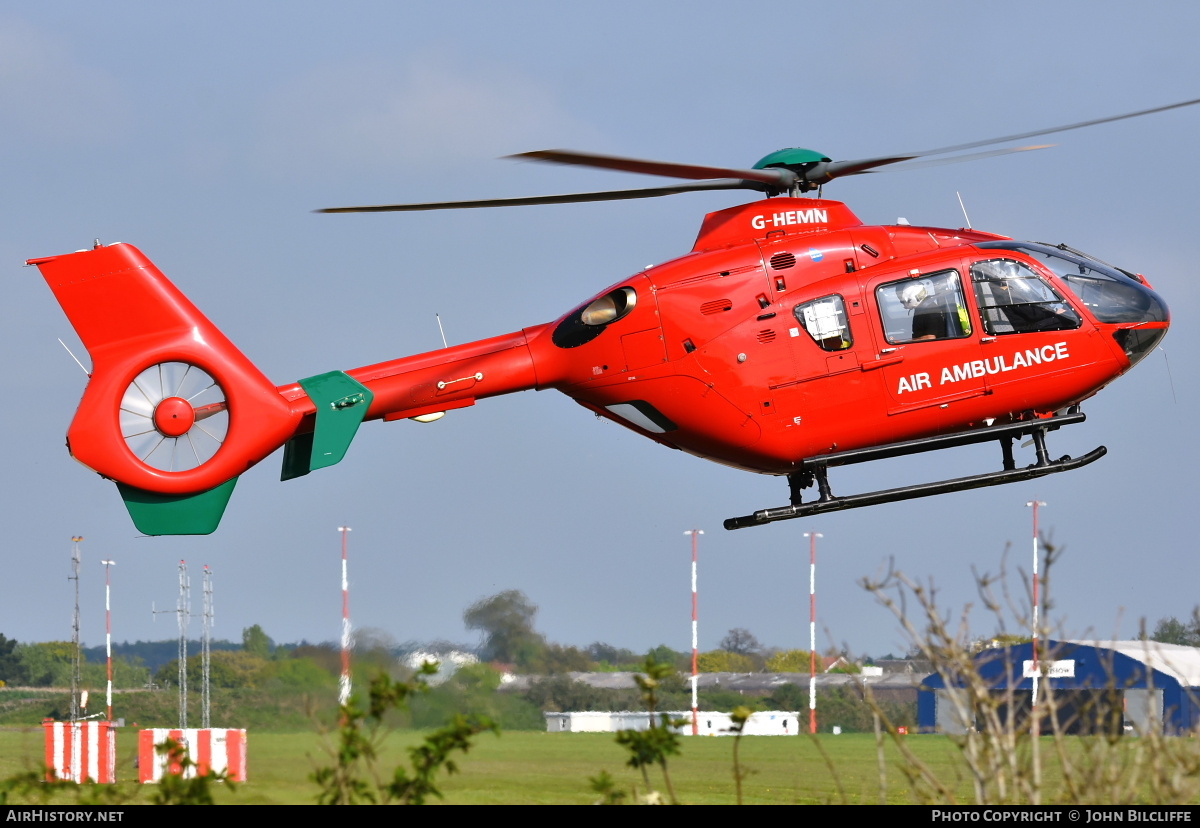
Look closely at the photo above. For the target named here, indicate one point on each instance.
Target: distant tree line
(50, 664)
(508, 639)
(1171, 630)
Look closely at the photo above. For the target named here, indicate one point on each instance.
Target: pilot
(1026, 302)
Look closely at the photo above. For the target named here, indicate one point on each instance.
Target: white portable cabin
(709, 723)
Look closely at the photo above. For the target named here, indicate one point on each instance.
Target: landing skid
(816, 469)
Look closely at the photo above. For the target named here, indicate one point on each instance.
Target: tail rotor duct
(174, 416)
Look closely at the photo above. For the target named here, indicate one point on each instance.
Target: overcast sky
(206, 133)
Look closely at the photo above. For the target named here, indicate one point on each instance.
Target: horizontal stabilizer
(342, 403)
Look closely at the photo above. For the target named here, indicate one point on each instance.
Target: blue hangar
(1111, 687)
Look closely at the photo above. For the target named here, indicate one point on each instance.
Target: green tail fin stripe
(159, 514)
(342, 403)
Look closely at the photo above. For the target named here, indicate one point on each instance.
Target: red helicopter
(791, 339)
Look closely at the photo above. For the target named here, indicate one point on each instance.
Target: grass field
(549, 768)
(553, 768)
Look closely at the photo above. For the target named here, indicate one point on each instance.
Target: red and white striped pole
(695, 634)
(344, 682)
(108, 633)
(812, 629)
(1036, 599)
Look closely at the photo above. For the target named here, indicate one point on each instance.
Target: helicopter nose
(1139, 341)
(1140, 305)
(1117, 298)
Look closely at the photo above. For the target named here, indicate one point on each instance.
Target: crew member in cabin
(934, 316)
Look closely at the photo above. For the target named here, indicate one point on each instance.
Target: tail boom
(427, 384)
(453, 377)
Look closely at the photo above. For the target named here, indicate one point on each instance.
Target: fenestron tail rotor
(787, 171)
(174, 416)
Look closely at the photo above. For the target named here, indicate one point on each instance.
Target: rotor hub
(174, 416)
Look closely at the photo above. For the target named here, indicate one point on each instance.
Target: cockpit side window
(928, 307)
(825, 321)
(1013, 298)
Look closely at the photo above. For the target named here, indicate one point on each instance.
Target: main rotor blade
(776, 177)
(772, 180)
(1034, 134)
(973, 156)
(826, 172)
(567, 198)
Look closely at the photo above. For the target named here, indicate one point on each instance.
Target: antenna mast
(76, 652)
(206, 649)
(183, 609)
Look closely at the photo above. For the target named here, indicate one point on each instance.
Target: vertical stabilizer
(172, 409)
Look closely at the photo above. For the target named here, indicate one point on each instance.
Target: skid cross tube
(816, 470)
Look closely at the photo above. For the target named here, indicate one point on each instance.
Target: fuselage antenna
(964, 209)
(1170, 378)
(77, 362)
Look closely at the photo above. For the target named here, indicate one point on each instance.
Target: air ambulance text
(992, 365)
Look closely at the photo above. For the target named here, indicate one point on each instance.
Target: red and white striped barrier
(81, 751)
(212, 750)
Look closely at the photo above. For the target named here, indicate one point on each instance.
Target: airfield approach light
(344, 682)
(108, 565)
(695, 640)
(812, 629)
(1036, 601)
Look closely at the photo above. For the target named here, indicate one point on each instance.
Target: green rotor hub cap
(793, 157)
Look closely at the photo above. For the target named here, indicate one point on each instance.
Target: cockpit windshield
(1111, 295)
